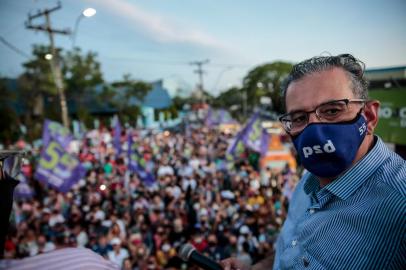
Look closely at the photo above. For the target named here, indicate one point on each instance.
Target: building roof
(156, 98)
(379, 74)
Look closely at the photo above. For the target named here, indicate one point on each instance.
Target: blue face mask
(328, 149)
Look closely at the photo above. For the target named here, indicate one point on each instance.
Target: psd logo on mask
(317, 149)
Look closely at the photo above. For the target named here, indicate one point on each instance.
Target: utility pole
(200, 72)
(55, 64)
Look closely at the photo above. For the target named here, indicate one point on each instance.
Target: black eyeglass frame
(307, 113)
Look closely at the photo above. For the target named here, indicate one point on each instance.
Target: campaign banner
(392, 115)
(55, 131)
(265, 139)
(137, 164)
(117, 136)
(236, 146)
(58, 168)
(253, 133)
(23, 190)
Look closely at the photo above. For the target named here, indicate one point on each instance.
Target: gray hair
(352, 66)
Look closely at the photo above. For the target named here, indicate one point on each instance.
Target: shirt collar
(345, 185)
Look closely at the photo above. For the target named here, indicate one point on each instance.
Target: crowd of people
(223, 206)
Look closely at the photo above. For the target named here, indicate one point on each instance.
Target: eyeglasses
(10, 162)
(330, 112)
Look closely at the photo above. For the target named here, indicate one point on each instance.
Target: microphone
(188, 253)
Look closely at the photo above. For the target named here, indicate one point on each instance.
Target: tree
(128, 95)
(231, 99)
(265, 80)
(81, 74)
(36, 86)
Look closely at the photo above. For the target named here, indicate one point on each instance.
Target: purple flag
(23, 190)
(265, 138)
(209, 119)
(225, 117)
(252, 134)
(55, 131)
(137, 164)
(117, 136)
(218, 117)
(236, 147)
(58, 168)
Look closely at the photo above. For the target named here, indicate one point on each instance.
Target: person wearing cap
(118, 254)
(348, 211)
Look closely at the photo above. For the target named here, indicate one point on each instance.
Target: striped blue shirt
(356, 222)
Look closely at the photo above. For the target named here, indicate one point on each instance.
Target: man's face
(317, 88)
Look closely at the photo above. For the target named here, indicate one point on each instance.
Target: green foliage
(35, 87)
(81, 72)
(37, 77)
(232, 99)
(265, 80)
(124, 93)
(178, 102)
(131, 88)
(38, 93)
(229, 98)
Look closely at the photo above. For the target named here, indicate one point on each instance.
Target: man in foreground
(349, 211)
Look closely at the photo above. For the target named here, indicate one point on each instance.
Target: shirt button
(305, 262)
(294, 243)
(311, 211)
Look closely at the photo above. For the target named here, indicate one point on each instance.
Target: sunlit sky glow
(155, 39)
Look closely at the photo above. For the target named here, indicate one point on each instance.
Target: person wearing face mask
(348, 211)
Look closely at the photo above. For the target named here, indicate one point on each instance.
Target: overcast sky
(155, 39)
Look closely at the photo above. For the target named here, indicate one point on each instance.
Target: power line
(200, 72)
(14, 48)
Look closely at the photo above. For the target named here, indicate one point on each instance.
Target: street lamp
(89, 12)
(48, 56)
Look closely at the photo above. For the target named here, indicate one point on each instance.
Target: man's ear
(371, 114)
